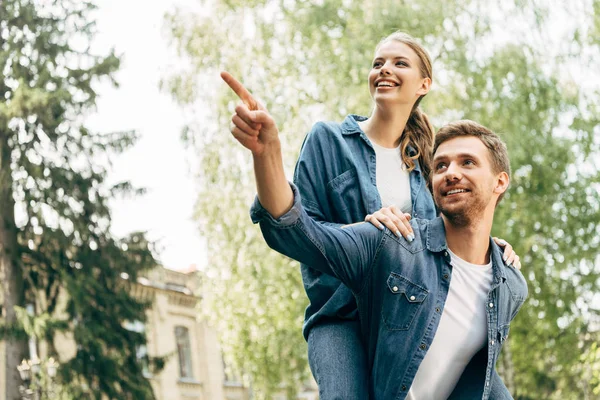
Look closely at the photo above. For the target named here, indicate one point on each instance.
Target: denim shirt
(401, 290)
(336, 177)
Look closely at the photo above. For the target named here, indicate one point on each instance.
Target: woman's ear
(425, 86)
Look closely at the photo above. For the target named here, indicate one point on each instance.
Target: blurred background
(129, 266)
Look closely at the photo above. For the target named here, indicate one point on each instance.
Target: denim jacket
(401, 289)
(336, 177)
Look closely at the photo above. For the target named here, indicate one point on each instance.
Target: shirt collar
(350, 124)
(350, 127)
(436, 242)
(497, 262)
(436, 235)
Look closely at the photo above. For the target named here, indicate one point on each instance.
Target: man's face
(464, 185)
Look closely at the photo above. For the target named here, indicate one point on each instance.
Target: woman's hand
(509, 256)
(394, 219)
(252, 126)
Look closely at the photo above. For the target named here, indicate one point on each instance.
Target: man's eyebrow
(460, 155)
(439, 156)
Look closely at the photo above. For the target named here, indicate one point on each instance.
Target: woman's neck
(385, 127)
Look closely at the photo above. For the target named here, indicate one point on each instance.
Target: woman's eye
(469, 162)
(439, 166)
(402, 64)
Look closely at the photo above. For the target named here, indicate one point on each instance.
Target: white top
(393, 182)
(461, 334)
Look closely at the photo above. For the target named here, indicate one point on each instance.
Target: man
(435, 311)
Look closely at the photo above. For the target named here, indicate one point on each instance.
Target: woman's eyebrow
(395, 58)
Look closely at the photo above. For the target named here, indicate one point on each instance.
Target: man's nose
(453, 172)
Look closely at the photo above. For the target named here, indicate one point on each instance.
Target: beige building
(194, 369)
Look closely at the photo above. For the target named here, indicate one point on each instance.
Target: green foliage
(58, 167)
(494, 62)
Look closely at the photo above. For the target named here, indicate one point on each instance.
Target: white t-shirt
(462, 331)
(393, 182)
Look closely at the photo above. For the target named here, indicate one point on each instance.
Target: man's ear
(425, 86)
(502, 181)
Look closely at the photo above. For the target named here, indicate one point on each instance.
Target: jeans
(338, 361)
(499, 390)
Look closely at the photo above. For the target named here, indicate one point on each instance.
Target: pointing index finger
(240, 90)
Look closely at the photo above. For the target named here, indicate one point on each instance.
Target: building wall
(175, 305)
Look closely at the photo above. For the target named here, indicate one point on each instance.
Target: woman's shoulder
(337, 129)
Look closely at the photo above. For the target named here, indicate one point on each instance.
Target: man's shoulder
(430, 233)
(516, 283)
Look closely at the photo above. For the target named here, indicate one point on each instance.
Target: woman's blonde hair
(419, 132)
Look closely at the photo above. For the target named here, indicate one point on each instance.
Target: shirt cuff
(259, 214)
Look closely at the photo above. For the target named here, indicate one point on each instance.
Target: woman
(346, 173)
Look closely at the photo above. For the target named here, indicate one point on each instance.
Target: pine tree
(54, 226)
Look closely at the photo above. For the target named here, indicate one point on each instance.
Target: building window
(184, 351)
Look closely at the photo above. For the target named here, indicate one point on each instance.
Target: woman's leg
(338, 361)
(499, 390)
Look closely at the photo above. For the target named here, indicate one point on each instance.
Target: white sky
(158, 161)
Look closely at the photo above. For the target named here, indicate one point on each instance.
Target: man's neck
(385, 127)
(470, 242)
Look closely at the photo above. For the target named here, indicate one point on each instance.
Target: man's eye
(469, 162)
(377, 64)
(402, 64)
(439, 166)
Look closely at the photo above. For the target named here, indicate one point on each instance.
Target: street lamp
(35, 383)
(52, 367)
(24, 370)
(35, 365)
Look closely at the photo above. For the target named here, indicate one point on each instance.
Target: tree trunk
(12, 282)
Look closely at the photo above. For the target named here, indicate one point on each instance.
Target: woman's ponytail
(419, 134)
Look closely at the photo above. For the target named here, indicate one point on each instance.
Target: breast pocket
(346, 197)
(402, 301)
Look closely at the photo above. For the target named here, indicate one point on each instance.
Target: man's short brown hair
(496, 147)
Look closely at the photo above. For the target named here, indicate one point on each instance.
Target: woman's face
(395, 77)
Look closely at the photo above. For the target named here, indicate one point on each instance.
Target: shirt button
(492, 342)
(491, 305)
(422, 346)
(446, 254)
(403, 388)
(437, 310)
(445, 276)
(487, 383)
(395, 288)
(412, 298)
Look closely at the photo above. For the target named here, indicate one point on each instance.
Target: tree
(309, 61)
(54, 230)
